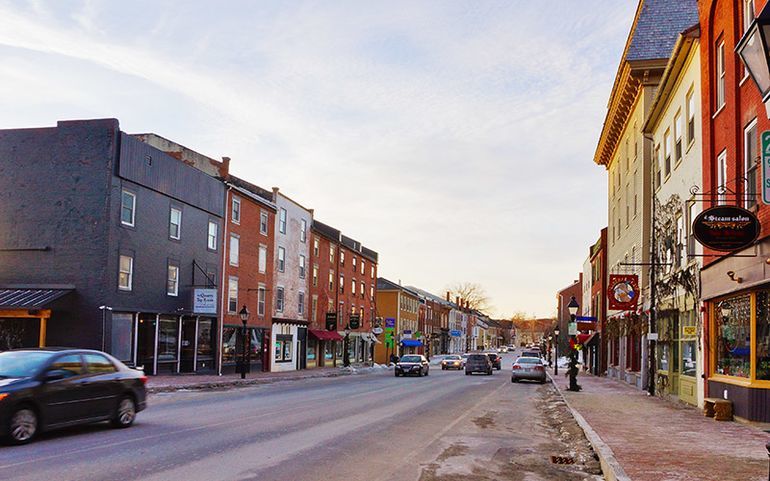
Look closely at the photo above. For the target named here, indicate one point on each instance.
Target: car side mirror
(54, 375)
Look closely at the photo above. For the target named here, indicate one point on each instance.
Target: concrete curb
(236, 383)
(611, 468)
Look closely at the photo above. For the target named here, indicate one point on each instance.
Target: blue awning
(411, 343)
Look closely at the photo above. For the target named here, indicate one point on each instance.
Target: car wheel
(513, 379)
(23, 425)
(125, 413)
(427, 371)
(467, 373)
(396, 374)
(443, 368)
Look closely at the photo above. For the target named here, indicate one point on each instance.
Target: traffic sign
(765, 167)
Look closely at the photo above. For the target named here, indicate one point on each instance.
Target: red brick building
(562, 314)
(735, 288)
(598, 256)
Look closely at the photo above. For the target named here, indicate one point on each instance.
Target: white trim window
(722, 176)
(331, 281)
(261, 296)
(363, 290)
(172, 282)
(315, 276)
(690, 116)
(372, 272)
(127, 208)
(281, 259)
(262, 259)
(363, 267)
(175, 223)
(677, 138)
(748, 17)
(720, 73)
(303, 231)
(750, 163)
(355, 267)
(235, 213)
(279, 299)
(282, 221)
(235, 244)
(263, 220)
(342, 284)
(232, 295)
(301, 266)
(342, 257)
(353, 287)
(212, 237)
(331, 255)
(126, 273)
(301, 303)
(667, 154)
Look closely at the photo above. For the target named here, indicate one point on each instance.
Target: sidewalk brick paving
(659, 440)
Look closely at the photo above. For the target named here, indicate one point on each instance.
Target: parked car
(496, 360)
(412, 364)
(502, 349)
(48, 388)
(452, 361)
(531, 368)
(478, 363)
(531, 353)
(436, 360)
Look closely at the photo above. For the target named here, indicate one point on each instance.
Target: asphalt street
(370, 427)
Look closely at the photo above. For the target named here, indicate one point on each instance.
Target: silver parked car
(531, 368)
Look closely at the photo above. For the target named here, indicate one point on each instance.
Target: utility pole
(653, 307)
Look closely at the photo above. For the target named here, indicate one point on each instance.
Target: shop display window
(762, 349)
(284, 348)
(168, 340)
(733, 336)
(663, 352)
(689, 358)
(232, 339)
(311, 349)
(329, 350)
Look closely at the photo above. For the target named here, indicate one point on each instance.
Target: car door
(62, 398)
(101, 385)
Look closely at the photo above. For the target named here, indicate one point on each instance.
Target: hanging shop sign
(331, 321)
(204, 301)
(455, 333)
(765, 167)
(390, 322)
(355, 321)
(726, 228)
(623, 292)
(377, 330)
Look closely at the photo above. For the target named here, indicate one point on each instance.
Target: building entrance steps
(646, 438)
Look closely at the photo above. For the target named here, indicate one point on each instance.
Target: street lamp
(573, 308)
(753, 49)
(556, 352)
(550, 346)
(346, 347)
(244, 314)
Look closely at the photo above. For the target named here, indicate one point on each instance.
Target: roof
(430, 296)
(258, 193)
(326, 230)
(657, 25)
(31, 297)
(386, 285)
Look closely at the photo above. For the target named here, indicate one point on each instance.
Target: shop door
(302, 354)
(189, 339)
(146, 345)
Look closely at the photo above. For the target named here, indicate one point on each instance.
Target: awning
(322, 335)
(29, 297)
(411, 343)
(585, 338)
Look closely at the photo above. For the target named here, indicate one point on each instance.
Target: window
(127, 208)
(722, 176)
(175, 223)
(762, 337)
(126, 273)
(261, 300)
(628, 153)
(748, 17)
(353, 287)
(690, 236)
(371, 292)
(234, 249)
(98, 364)
(236, 211)
(279, 299)
(282, 221)
(71, 365)
(635, 196)
(301, 266)
(628, 205)
(667, 153)
(212, 241)
(720, 72)
(263, 223)
(284, 344)
(172, 283)
(232, 294)
(363, 267)
(331, 280)
(303, 231)
(690, 116)
(315, 246)
(331, 255)
(301, 303)
(354, 264)
(363, 290)
(342, 284)
(656, 166)
(342, 257)
(281, 259)
(315, 276)
(262, 259)
(372, 272)
(733, 336)
(677, 137)
(750, 163)
(314, 308)
(680, 239)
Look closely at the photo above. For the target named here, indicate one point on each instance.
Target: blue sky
(456, 138)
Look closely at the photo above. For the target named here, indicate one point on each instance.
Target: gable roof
(657, 26)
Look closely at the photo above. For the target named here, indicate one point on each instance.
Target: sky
(455, 138)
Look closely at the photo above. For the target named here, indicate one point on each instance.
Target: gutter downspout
(222, 284)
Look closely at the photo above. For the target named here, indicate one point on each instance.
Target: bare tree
(473, 293)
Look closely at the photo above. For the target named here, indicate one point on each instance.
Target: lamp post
(346, 347)
(573, 308)
(556, 351)
(244, 314)
(550, 346)
(753, 49)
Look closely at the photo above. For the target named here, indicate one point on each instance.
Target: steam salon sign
(726, 228)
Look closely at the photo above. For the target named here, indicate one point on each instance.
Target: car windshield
(528, 360)
(492, 355)
(22, 363)
(452, 358)
(477, 357)
(410, 359)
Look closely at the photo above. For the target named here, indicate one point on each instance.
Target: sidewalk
(168, 383)
(649, 439)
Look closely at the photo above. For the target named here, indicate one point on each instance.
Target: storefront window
(204, 339)
(168, 340)
(121, 336)
(689, 356)
(284, 348)
(733, 336)
(763, 336)
(329, 350)
(232, 338)
(663, 357)
(311, 349)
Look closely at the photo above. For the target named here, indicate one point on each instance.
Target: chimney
(224, 170)
(448, 298)
(457, 301)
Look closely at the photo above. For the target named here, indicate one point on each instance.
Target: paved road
(371, 427)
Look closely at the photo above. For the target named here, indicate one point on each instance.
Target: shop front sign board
(765, 167)
(204, 301)
(726, 228)
(623, 292)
